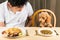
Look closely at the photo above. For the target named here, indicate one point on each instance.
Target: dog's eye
(43, 17)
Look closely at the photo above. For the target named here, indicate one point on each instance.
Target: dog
(45, 19)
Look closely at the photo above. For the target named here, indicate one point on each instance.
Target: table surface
(33, 36)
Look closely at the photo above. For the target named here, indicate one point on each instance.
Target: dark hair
(17, 3)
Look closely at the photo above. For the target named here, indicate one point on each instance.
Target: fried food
(12, 32)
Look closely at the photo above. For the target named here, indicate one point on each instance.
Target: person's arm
(30, 13)
(1, 16)
(2, 24)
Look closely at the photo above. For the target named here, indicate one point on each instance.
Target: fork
(36, 32)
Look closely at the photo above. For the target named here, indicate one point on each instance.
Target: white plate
(48, 35)
(6, 28)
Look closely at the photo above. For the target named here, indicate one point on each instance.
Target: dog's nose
(40, 21)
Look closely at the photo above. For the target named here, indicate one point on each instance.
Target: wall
(57, 11)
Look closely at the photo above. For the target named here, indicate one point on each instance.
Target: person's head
(17, 3)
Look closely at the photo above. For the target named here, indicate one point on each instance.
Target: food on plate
(46, 32)
(12, 32)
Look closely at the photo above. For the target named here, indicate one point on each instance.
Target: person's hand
(2, 24)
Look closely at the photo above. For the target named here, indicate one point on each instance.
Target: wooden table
(33, 36)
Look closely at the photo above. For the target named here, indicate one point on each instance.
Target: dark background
(53, 5)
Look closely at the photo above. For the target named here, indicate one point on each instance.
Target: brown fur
(45, 19)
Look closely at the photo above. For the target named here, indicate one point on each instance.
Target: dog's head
(44, 17)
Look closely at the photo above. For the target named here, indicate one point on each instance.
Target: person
(15, 13)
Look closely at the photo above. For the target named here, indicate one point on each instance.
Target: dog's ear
(48, 18)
